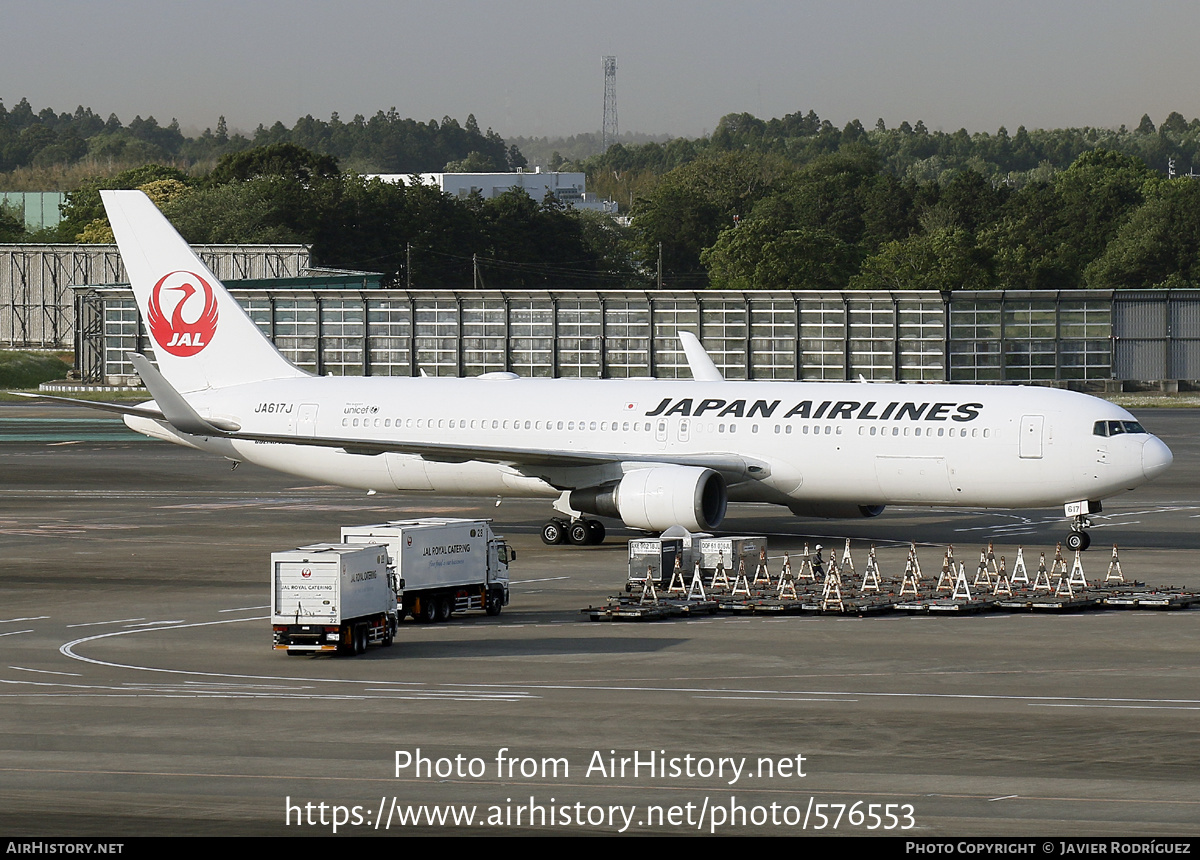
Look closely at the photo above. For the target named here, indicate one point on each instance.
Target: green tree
(754, 256)
(1158, 245)
(284, 160)
(12, 224)
(692, 204)
(84, 206)
(947, 259)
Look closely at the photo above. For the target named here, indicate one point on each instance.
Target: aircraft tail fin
(202, 338)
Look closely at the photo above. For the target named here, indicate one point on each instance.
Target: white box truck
(442, 565)
(332, 598)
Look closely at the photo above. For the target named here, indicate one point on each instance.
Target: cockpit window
(1116, 428)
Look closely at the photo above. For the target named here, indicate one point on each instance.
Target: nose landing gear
(1079, 539)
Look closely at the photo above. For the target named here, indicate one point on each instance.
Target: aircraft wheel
(579, 534)
(553, 533)
(1078, 541)
(597, 531)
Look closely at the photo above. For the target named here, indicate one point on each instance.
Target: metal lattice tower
(608, 134)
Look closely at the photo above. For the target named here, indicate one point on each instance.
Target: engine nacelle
(834, 510)
(659, 497)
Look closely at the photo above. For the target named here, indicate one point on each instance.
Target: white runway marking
(522, 692)
(99, 623)
(45, 671)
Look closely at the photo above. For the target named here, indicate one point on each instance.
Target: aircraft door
(306, 421)
(1031, 436)
(660, 432)
(685, 430)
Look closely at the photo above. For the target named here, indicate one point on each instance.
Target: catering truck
(332, 598)
(442, 565)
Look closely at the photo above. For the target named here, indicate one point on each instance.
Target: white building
(567, 188)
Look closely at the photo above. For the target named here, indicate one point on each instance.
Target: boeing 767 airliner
(651, 453)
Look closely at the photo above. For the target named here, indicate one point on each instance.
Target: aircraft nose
(1156, 457)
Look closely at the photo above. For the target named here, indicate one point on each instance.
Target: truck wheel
(389, 634)
(426, 611)
(494, 603)
(445, 608)
(360, 639)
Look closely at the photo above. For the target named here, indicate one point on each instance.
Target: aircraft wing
(734, 467)
(174, 410)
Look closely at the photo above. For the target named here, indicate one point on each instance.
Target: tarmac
(139, 694)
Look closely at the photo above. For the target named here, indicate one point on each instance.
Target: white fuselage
(814, 444)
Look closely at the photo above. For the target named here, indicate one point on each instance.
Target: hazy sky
(528, 67)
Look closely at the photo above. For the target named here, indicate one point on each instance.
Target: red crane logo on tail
(180, 335)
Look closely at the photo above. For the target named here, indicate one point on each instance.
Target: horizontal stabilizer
(175, 409)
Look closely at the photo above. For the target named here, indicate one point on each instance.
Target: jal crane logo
(193, 321)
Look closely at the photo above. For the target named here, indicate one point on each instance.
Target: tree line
(384, 143)
(414, 233)
(752, 220)
(787, 203)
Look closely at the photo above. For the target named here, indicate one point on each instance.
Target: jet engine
(834, 510)
(659, 497)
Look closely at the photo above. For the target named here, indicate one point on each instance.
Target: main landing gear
(580, 532)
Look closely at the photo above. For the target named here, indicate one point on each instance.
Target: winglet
(699, 363)
(177, 411)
